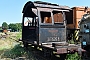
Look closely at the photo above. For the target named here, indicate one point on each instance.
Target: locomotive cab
(44, 23)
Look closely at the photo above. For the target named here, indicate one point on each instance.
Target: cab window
(29, 21)
(58, 17)
(46, 17)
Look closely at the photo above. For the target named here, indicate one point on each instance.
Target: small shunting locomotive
(84, 34)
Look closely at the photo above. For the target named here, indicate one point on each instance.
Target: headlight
(87, 31)
(84, 43)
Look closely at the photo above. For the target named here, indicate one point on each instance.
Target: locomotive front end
(84, 33)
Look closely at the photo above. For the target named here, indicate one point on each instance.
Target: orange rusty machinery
(73, 19)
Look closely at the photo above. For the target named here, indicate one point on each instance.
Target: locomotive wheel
(35, 47)
(63, 56)
(47, 52)
(25, 44)
(87, 53)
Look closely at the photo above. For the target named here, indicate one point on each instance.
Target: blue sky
(11, 10)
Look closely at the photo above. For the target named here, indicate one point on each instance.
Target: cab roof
(41, 4)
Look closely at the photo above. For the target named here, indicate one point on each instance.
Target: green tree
(15, 27)
(0, 28)
(19, 26)
(4, 25)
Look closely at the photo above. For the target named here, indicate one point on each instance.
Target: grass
(11, 49)
(14, 52)
(73, 57)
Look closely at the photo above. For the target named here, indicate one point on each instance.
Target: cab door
(29, 22)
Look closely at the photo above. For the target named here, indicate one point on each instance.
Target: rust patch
(61, 50)
(53, 31)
